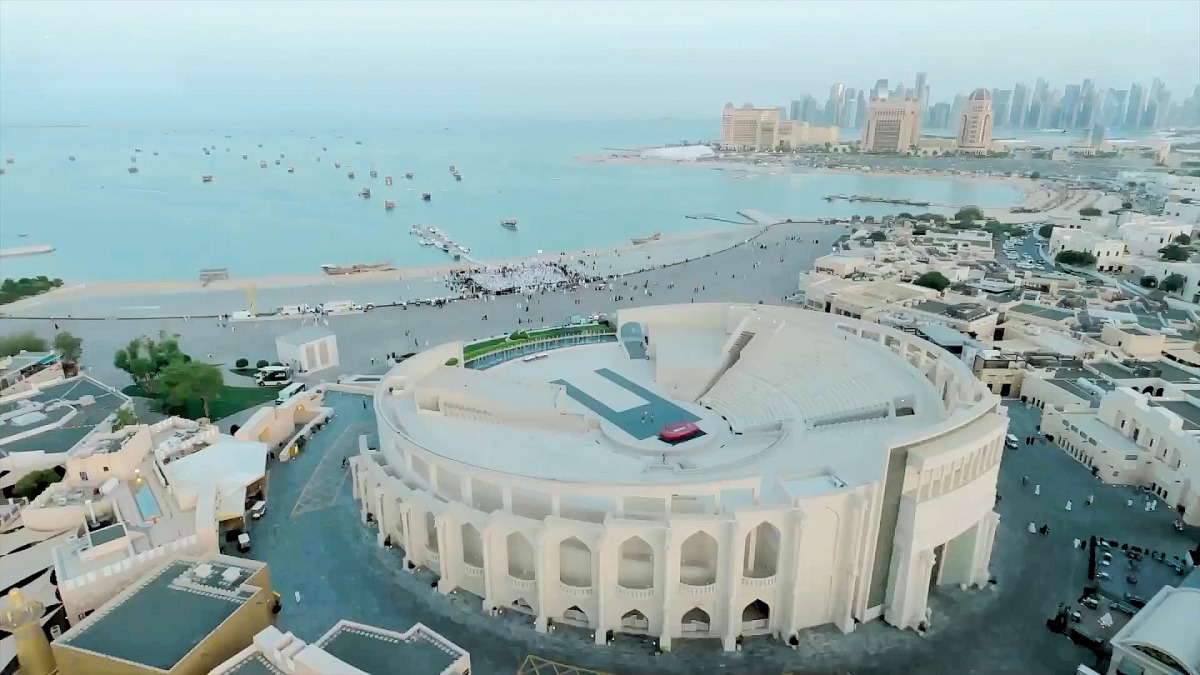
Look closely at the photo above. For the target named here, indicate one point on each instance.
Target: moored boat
(9, 160)
(350, 175)
(133, 169)
(374, 173)
(245, 156)
(458, 177)
(262, 164)
(425, 196)
(407, 175)
(642, 240)
(509, 224)
(206, 178)
(387, 180)
(337, 165)
(365, 193)
(276, 162)
(389, 204)
(356, 269)
(291, 169)
(71, 157)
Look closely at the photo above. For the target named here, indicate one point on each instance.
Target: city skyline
(60, 59)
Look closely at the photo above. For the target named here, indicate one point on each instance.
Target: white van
(1010, 441)
(289, 391)
(273, 376)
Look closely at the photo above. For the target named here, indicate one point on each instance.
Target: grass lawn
(477, 349)
(231, 400)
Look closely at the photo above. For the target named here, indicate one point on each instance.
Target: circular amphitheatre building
(699, 470)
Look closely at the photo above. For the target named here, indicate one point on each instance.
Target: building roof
(1043, 311)
(1167, 625)
(228, 467)
(376, 651)
(52, 404)
(304, 336)
(980, 94)
(166, 615)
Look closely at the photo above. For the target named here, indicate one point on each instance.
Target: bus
(273, 376)
(289, 391)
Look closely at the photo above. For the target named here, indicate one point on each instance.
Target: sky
(70, 61)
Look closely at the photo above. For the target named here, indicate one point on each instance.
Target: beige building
(760, 129)
(1161, 638)
(184, 618)
(892, 125)
(975, 125)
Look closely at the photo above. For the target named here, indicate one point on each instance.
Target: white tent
(308, 349)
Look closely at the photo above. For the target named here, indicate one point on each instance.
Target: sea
(164, 223)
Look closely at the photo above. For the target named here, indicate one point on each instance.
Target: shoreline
(1033, 193)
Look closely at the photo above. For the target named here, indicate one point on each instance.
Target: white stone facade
(798, 510)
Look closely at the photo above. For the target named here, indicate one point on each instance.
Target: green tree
(144, 359)
(69, 347)
(877, 236)
(968, 213)
(1183, 240)
(32, 484)
(1090, 211)
(1174, 253)
(125, 417)
(185, 381)
(1127, 205)
(1173, 283)
(452, 361)
(1076, 258)
(1045, 231)
(935, 280)
(1035, 174)
(26, 341)
(262, 363)
(1148, 281)
(241, 363)
(905, 215)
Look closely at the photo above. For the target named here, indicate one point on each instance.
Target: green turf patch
(230, 401)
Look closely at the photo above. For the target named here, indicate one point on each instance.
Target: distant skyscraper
(1096, 136)
(1136, 105)
(861, 108)
(892, 125)
(1070, 106)
(794, 110)
(1113, 110)
(833, 108)
(1019, 106)
(956, 110)
(849, 116)
(1001, 102)
(938, 116)
(880, 89)
(922, 90)
(975, 123)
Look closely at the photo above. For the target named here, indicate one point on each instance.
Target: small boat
(389, 204)
(245, 156)
(205, 150)
(291, 169)
(324, 149)
(365, 193)
(9, 160)
(356, 269)
(318, 159)
(23, 234)
(155, 153)
(509, 224)
(262, 164)
(445, 247)
(276, 162)
(387, 180)
(211, 146)
(452, 169)
(133, 169)
(137, 149)
(281, 155)
(426, 196)
(337, 165)
(206, 178)
(260, 145)
(350, 175)
(374, 173)
(407, 175)
(458, 177)
(71, 157)
(642, 240)
(133, 159)
(358, 142)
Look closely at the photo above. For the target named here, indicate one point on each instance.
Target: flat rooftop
(1187, 410)
(62, 438)
(1052, 313)
(381, 652)
(165, 616)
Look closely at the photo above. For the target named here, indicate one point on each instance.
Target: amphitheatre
(837, 471)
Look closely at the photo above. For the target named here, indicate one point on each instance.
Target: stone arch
(761, 555)
(472, 545)
(698, 560)
(1148, 390)
(576, 616)
(575, 563)
(431, 534)
(635, 564)
(1158, 392)
(695, 621)
(634, 621)
(521, 561)
(756, 611)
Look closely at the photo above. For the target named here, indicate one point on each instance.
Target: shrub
(452, 361)
(1173, 283)
(262, 363)
(877, 236)
(1045, 231)
(1183, 240)
(32, 484)
(276, 363)
(935, 280)
(1148, 281)
(241, 363)
(28, 341)
(1035, 175)
(1076, 258)
(1174, 253)
(1090, 211)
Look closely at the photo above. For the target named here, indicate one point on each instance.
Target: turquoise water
(164, 223)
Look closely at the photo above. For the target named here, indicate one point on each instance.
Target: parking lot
(1021, 252)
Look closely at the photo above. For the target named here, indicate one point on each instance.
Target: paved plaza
(316, 545)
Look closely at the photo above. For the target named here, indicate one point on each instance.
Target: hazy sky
(601, 59)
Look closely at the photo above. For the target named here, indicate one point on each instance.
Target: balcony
(521, 584)
(763, 582)
(432, 556)
(575, 591)
(473, 571)
(698, 591)
(635, 593)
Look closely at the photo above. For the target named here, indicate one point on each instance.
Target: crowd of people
(525, 278)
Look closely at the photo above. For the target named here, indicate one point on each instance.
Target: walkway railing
(491, 359)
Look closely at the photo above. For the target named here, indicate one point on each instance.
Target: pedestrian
(1032, 527)
(1076, 544)
(364, 404)
(1037, 489)
(297, 597)
(1129, 503)
(1088, 502)
(1068, 504)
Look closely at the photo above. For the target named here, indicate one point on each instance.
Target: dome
(980, 95)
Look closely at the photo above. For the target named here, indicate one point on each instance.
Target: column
(381, 517)
(795, 574)
(464, 487)
(546, 573)
(506, 499)
(403, 517)
(985, 539)
(858, 522)
(602, 584)
(734, 553)
(489, 567)
(670, 586)
(910, 587)
(418, 536)
(450, 552)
